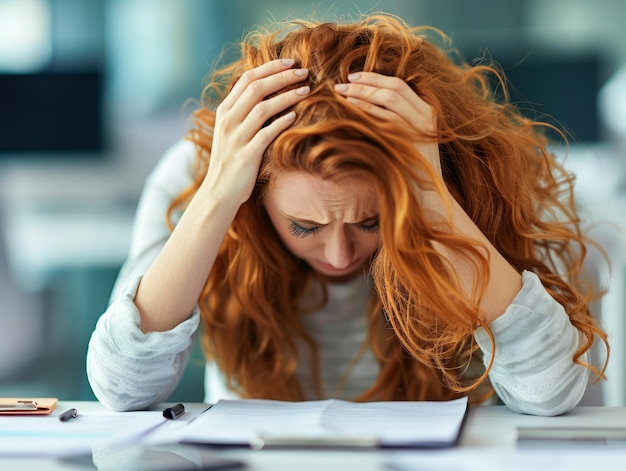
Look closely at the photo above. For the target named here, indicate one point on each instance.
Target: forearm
(170, 288)
(504, 281)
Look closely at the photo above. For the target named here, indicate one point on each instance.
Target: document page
(47, 436)
(328, 422)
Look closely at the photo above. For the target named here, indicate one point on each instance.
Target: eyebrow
(315, 223)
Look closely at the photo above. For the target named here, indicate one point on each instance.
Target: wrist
(212, 200)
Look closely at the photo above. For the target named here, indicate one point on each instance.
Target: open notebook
(265, 423)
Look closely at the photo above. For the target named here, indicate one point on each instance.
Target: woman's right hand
(239, 138)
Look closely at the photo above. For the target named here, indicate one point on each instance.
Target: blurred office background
(92, 92)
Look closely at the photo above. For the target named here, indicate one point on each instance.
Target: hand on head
(240, 137)
(391, 98)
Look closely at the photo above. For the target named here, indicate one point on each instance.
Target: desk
(490, 432)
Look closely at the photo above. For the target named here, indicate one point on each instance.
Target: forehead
(304, 195)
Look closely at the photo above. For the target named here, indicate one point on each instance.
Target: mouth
(333, 271)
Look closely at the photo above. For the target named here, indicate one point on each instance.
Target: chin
(344, 277)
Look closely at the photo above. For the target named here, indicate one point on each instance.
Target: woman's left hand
(391, 98)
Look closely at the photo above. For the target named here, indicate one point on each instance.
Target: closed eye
(372, 227)
(302, 232)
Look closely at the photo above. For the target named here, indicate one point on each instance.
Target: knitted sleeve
(533, 370)
(130, 370)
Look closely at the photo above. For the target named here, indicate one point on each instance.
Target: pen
(174, 412)
(68, 414)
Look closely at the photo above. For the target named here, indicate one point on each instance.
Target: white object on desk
(46, 436)
(488, 439)
(330, 422)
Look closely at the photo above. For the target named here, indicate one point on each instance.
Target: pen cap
(174, 412)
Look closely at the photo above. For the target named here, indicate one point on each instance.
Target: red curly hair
(495, 163)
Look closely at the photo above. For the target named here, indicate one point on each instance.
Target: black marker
(68, 414)
(174, 412)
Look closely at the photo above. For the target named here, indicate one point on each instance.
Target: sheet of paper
(395, 423)
(47, 436)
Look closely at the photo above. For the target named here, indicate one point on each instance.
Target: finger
(374, 110)
(395, 84)
(255, 127)
(252, 106)
(264, 70)
(253, 91)
(390, 93)
(265, 136)
(270, 107)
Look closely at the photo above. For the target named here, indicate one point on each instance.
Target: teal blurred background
(92, 92)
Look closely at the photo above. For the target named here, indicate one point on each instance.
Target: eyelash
(301, 232)
(370, 228)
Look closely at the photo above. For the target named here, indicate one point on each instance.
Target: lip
(338, 271)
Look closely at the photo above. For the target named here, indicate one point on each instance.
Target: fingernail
(354, 77)
(287, 62)
(341, 87)
(290, 116)
(301, 72)
(302, 90)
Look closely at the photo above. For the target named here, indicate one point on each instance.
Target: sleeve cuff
(532, 310)
(122, 327)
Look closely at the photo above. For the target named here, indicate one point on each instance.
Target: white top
(533, 371)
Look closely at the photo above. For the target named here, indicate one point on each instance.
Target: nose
(339, 250)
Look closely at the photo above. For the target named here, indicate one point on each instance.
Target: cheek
(365, 241)
(371, 243)
(298, 246)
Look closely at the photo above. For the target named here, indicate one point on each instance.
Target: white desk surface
(488, 441)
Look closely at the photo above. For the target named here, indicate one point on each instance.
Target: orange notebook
(27, 405)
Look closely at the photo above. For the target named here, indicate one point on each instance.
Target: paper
(47, 436)
(385, 424)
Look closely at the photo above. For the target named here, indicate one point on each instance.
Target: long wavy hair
(495, 163)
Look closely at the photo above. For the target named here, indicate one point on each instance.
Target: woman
(354, 215)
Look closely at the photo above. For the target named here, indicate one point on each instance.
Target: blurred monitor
(560, 89)
(49, 114)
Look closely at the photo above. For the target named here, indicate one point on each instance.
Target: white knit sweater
(533, 371)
